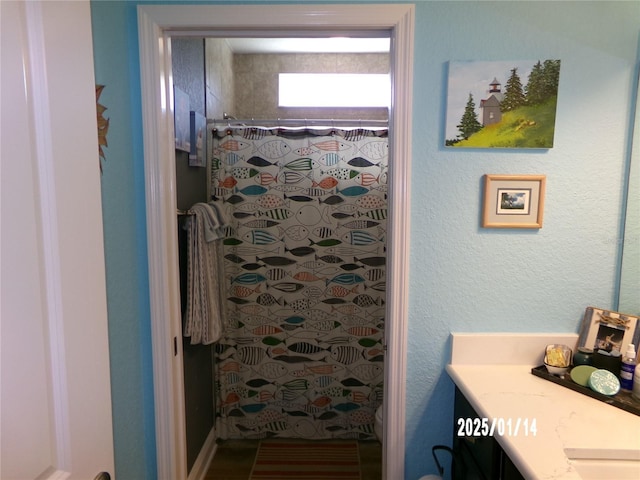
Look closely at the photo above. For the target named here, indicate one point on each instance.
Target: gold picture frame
(513, 201)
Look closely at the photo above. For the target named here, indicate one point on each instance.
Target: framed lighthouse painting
(502, 104)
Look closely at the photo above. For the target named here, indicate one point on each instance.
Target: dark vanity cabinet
(477, 457)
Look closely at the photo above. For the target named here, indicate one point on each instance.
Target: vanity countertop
(493, 371)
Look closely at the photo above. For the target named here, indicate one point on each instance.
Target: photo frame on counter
(513, 201)
(607, 330)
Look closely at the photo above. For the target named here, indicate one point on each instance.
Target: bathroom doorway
(157, 24)
(303, 195)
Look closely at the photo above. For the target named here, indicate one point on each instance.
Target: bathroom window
(334, 90)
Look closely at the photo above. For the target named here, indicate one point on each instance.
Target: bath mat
(306, 460)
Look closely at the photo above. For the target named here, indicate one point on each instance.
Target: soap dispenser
(628, 368)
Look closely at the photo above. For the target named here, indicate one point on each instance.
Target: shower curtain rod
(298, 122)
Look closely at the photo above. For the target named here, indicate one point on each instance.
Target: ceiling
(309, 45)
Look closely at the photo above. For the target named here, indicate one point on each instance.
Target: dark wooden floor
(234, 459)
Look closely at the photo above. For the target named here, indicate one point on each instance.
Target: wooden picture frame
(513, 201)
(608, 330)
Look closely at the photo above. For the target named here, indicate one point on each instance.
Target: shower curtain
(304, 266)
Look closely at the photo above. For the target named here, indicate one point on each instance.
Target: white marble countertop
(502, 387)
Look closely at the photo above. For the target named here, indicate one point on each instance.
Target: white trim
(201, 465)
(162, 245)
(156, 21)
(397, 315)
(53, 474)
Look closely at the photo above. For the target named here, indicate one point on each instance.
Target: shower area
(302, 206)
(304, 274)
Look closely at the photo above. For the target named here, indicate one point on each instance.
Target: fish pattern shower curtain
(305, 274)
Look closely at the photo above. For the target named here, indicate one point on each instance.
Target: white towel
(205, 317)
(216, 221)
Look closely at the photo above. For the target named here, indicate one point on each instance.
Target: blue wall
(469, 278)
(474, 279)
(123, 198)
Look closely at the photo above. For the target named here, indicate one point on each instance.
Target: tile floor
(234, 458)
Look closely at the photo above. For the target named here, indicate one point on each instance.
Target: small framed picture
(513, 201)
(198, 140)
(182, 124)
(608, 331)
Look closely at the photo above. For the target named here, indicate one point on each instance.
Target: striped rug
(306, 460)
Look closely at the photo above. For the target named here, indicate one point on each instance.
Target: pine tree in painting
(513, 95)
(535, 88)
(551, 77)
(543, 82)
(469, 123)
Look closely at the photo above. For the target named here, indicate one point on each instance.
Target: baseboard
(202, 463)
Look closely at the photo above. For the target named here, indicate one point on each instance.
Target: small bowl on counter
(557, 358)
(556, 370)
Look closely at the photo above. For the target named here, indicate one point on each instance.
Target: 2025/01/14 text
(489, 427)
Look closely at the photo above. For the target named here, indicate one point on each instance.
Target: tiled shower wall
(246, 85)
(219, 81)
(256, 80)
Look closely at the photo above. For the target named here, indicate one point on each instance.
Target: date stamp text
(503, 427)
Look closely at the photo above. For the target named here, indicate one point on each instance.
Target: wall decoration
(607, 330)
(103, 125)
(505, 104)
(198, 140)
(181, 119)
(513, 201)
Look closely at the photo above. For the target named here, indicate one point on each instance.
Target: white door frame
(156, 23)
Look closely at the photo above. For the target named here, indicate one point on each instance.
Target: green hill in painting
(524, 127)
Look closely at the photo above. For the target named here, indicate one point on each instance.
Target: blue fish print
(260, 237)
(359, 237)
(353, 191)
(346, 279)
(252, 190)
(248, 279)
(330, 159)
